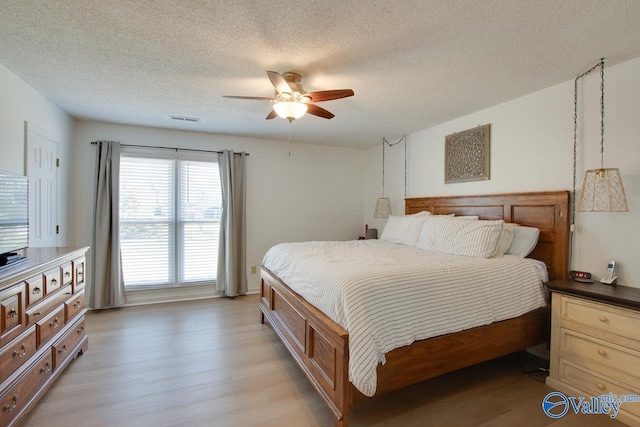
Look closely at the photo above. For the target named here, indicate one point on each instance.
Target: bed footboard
(447, 353)
(319, 345)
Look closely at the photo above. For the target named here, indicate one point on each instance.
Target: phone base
(613, 281)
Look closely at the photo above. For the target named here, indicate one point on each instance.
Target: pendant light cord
(575, 141)
(385, 141)
(601, 113)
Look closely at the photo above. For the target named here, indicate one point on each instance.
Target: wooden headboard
(548, 211)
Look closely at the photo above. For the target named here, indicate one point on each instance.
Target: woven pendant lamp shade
(602, 191)
(383, 208)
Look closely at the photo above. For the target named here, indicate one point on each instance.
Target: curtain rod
(167, 148)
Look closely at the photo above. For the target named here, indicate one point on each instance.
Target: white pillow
(467, 238)
(467, 217)
(524, 240)
(403, 229)
(506, 238)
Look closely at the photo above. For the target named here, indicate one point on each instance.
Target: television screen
(14, 212)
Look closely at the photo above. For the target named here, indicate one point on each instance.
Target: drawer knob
(81, 330)
(45, 369)
(54, 281)
(67, 274)
(12, 313)
(12, 406)
(54, 324)
(76, 304)
(603, 318)
(36, 291)
(601, 386)
(62, 350)
(602, 352)
(19, 354)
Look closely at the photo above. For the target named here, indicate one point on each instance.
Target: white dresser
(595, 342)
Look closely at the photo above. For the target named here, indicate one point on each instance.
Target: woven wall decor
(467, 155)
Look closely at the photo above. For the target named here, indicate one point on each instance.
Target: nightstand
(595, 342)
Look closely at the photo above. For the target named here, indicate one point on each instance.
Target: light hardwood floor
(211, 363)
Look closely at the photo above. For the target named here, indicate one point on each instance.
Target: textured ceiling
(412, 64)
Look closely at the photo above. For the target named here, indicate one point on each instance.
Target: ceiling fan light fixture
(290, 110)
(291, 101)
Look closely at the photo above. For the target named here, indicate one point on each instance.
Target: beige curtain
(107, 287)
(232, 271)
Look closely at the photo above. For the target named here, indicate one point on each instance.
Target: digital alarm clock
(581, 276)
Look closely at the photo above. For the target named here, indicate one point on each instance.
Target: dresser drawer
(49, 326)
(612, 359)
(74, 306)
(603, 317)
(12, 319)
(66, 272)
(79, 269)
(35, 289)
(596, 385)
(63, 348)
(38, 312)
(16, 353)
(16, 398)
(52, 281)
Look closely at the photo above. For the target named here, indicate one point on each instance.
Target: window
(170, 206)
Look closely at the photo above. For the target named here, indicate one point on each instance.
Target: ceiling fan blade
(319, 111)
(279, 82)
(257, 98)
(272, 115)
(328, 95)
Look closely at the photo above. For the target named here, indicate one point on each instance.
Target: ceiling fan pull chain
(290, 137)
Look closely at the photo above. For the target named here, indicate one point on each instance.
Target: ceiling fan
(291, 101)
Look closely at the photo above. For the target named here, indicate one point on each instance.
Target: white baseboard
(187, 293)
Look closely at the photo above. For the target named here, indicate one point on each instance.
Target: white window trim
(172, 292)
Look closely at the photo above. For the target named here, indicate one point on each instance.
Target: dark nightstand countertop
(623, 296)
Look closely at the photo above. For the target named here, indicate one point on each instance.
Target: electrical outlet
(254, 269)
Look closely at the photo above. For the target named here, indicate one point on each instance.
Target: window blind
(199, 219)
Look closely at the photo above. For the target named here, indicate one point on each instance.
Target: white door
(42, 155)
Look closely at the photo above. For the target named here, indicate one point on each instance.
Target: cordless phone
(610, 275)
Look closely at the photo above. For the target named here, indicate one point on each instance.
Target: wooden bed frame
(321, 347)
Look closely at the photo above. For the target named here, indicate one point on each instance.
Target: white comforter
(388, 296)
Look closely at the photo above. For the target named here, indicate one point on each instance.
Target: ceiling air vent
(184, 119)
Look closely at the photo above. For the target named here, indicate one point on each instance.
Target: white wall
(20, 103)
(532, 150)
(316, 194)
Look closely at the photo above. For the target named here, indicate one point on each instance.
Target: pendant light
(383, 204)
(602, 189)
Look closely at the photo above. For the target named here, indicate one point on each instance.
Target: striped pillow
(448, 235)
